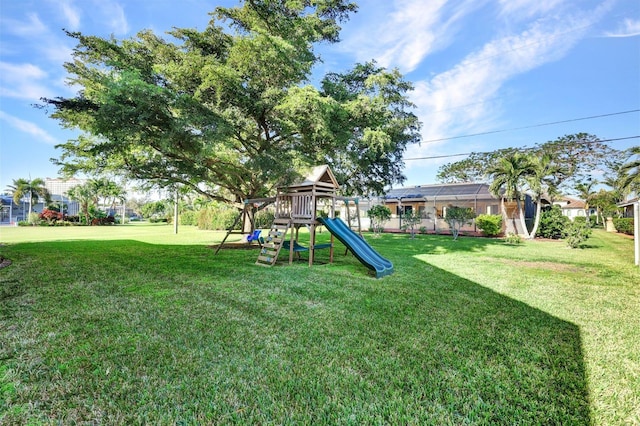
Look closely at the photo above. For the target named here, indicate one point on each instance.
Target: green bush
(623, 225)
(264, 219)
(580, 219)
(158, 220)
(217, 217)
(512, 238)
(489, 224)
(188, 217)
(577, 233)
(553, 224)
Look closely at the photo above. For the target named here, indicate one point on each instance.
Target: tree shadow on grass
(190, 337)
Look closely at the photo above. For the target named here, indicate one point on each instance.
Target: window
(403, 210)
(492, 209)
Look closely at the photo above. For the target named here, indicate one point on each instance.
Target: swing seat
(255, 236)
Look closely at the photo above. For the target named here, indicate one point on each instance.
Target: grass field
(133, 324)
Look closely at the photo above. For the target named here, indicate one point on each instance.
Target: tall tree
(228, 111)
(31, 189)
(508, 181)
(576, 155)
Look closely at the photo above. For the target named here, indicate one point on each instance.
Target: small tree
(457, 217)
(410, 221)
(378, 215)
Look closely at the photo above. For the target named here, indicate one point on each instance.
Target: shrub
(577, 233)
(264, 219)
(50, 216)
(512, 238)
(489, 224)
(580, 219)
(188, 217)
(623, 225)
(34, 219)
(553, 224)
(423, 230)
(217, 217)
(158, 220)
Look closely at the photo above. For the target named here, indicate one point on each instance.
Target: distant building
(572, 207)
(431, 203)
(59, 186)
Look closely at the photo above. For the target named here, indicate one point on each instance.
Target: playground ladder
(273, 243)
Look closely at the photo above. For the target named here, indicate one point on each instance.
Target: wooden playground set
(305, 204)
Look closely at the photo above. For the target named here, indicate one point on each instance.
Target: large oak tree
(229, 111)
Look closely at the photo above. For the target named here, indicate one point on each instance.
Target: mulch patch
(235, 246)
(4, 262)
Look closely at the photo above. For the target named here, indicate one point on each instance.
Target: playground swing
(254, 234)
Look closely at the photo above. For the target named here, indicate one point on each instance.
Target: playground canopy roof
(320, 177)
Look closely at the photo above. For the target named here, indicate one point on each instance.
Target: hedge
(623, 225)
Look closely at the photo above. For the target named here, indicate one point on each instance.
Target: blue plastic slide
(358, 246)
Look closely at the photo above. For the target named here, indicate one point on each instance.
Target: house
(431, 203)
(572, 207)
(627, 207)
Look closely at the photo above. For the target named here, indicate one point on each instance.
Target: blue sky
(478, 66)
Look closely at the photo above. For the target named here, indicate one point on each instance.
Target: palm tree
(108, 191)
(509, 177)
(631, 170)
(545, 179)
(85, 195)
(586, 192)
(30, 188)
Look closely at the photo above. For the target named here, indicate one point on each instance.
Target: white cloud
(23, 81)
(403, 34)
(28, 127)
(71, 13)
(30, 28)
(628, 28)
(476, 81)
(523, 9)
(112, 14)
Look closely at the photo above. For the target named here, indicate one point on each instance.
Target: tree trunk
(536, 222)
(523, 222)
(508, 225)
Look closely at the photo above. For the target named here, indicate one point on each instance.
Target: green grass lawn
(133, 324)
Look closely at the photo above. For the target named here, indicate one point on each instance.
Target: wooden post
(312, 242)
(636, 232)
(291, 242)
(357, 201)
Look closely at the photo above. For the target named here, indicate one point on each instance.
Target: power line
(531, 126)
(433, 157)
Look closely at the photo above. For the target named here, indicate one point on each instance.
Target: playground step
(273, 243)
